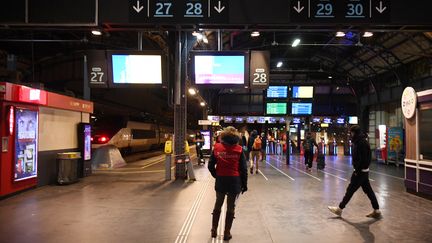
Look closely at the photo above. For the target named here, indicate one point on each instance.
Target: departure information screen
(219, 69)
(301, 108)
(277, 92)
(302, 92)
(276, 108)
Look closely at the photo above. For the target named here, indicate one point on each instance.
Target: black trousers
(308, 155)
(231, 201)
(359, 179)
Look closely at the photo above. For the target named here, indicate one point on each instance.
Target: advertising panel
(206, 134)
(395, 140)
(137, 69)
(26, 123)
(87, 142)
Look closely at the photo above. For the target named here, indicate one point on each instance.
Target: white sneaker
(376, 214)
(335, 210)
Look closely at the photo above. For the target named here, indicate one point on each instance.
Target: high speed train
(132, 136)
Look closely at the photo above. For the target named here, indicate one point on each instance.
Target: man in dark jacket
(308, 144)
(253, 135)
(361, 159)
(228, 165)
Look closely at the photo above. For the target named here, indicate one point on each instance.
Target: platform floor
(283, 204)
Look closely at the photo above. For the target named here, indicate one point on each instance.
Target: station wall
(57, 134)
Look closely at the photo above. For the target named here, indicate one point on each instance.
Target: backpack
(307, 145)
(257, 144)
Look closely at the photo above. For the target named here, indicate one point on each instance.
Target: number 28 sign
(259, 69)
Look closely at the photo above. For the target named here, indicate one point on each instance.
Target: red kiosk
(19, 131)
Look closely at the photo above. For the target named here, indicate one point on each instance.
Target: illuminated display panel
(276, 108)
(136, 69)
(302, 91)
(277, 92)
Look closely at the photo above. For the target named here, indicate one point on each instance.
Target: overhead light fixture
(205, 40)
(255, 33)
(96, 32)
(295, 43)
(367, 34)
(340, 34)
(202, 103)
(279, 64)
(192, 91)
(198, 35)
(330, 77)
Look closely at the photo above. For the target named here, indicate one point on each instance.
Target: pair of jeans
(359, 179)
(231, 201)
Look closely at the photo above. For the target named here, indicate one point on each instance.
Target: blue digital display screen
(327, 120)
(277, 92)
(301, 108)
(296, 120)
(137, 69)
(340, 120)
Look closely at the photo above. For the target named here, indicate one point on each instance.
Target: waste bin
(67, 167)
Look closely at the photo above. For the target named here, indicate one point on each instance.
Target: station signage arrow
(138, 8)
(381, 8)
(219, 8)
(299, 8)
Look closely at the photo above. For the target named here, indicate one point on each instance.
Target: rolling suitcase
(320, 162)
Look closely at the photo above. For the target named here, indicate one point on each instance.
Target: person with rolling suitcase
(320, 156)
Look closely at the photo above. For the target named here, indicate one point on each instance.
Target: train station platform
(283, 204)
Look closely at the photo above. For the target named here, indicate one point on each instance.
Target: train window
(143, 134)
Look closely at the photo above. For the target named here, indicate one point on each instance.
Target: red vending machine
(19, 135)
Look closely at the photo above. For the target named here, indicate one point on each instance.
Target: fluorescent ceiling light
(96, 32)
(367, 34)
(202, 103)
(340, 34)
(279, 64)
(192, 91)
(255, 34)
(295, 43)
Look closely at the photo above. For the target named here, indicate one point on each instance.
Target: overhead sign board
(178, 11)
(340, 11)
(204, 122)
(97, 70)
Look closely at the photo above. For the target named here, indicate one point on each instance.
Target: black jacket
(229, 184)
(361, 153)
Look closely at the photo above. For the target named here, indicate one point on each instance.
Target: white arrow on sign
(381, 9)
(299, 8)
(138, 8)
(219, 8)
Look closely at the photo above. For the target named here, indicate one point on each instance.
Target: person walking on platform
(255, 153)
(251, 142)
(228, 165)
(308, 144)
(361, 160)
(263, 146)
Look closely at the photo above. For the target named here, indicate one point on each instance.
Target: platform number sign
(324, 9)
(194, 9)
(259, 69)
(163, 9)
(97, 69)
(355, 9)
(96, 75)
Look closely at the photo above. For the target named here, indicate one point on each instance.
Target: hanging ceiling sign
(340, 11)
(178, 11)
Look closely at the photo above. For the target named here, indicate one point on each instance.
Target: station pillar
(180, 118)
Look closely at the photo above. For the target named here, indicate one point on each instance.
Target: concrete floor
(283, 204)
